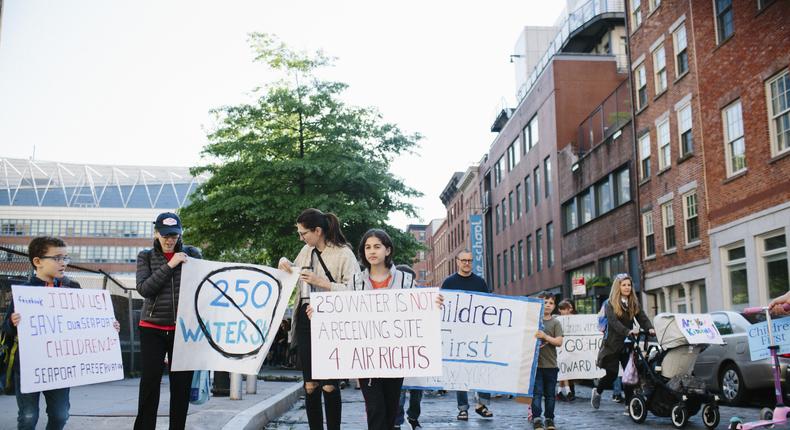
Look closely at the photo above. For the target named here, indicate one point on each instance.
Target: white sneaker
(595, 399)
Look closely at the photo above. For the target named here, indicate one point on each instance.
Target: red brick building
(439, 257)
(420, 263)
(461, 198)
(706, 152)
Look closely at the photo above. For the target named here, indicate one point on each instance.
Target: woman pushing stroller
(620, 310)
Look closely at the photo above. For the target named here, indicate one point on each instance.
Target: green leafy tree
(297, 146)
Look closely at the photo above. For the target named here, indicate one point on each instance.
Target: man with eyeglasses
(466, 280)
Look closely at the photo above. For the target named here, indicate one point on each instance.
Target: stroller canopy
(673, 330)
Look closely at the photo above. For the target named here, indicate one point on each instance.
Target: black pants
(154, 344)
(312, 400)
(382, 401)
(611, 364)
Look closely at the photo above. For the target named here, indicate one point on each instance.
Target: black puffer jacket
(159, 284)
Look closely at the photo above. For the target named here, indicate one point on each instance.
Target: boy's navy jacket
(9, 329)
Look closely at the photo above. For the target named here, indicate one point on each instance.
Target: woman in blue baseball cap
(158, 281)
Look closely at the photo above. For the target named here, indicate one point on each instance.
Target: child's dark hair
(565, 304)
(39, 246)
(312, 218)
(385, 240)
(546, 295)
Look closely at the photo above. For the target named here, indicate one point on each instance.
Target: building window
(533, 131)
(504, 267)
(724, 19)
(512, 263)
(641, 87)
(498, 172)
(681, 51)
(654, 4)
(550, 244)
(536, 182)
(529, 255)
(660, 69)
(525, 139)
(511, 213)
(668, 220)
(569, 214)
(518, 201)
(538, 250)
(774, 262)
(496, 218)
(603, 196)
(547, 176)
(648, 235)
(736, 276)
(735, 146)
(644, 156)
(778, 89)
(504, 215)
(623, 186)
(636, 14)
(690, 217)
(520, 259)
(513, 155)
(686, 137)
(498, 271)
(664, 153)
(611, 266)
(586, 206)
(527, 191)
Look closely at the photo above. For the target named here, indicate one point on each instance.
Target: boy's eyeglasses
(59, 258)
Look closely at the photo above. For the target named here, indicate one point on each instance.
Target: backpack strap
(323, 265)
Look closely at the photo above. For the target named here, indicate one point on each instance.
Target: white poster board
(66, 338)
(488, 344)
(580, 345)
(386, 333)
(228, 314)
(698, 329)
(759, 341)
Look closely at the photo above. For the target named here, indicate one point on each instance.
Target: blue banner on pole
(476, 232)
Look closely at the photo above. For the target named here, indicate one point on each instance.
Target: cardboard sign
(580, 345)
(385, 333)
(228, 315)
(698, 329)
(488, 344)
(66, 338)
(759, 341)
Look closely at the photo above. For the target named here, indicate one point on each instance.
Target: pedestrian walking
(620, 310)
(49, 258)
(550, 337)
(326, 263)
(158, 281)
(465, 280)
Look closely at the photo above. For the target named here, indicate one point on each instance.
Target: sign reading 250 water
(226, 313)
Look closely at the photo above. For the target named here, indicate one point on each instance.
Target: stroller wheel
(710, 416)
(637, 409)
(766, 414)
(680, 416)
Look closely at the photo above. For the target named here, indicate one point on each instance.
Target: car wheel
(731, 383)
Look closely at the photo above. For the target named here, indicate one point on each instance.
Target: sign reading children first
(476, 233)
(66, 338)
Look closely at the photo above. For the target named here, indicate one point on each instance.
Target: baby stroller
(666, 385)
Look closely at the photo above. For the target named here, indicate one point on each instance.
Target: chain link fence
(15, 269)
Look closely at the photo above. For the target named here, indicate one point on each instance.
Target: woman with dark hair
(158, 281)
(326, 263)
(382, 395)
(621, 309)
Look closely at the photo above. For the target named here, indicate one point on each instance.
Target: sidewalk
(113, 406)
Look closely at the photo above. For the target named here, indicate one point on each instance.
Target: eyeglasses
(465, 261)
(59, 258)
(302, 233)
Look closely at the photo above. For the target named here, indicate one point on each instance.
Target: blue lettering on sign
(227, 332)
(242, 294)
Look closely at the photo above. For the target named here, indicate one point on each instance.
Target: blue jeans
(57, 407)
(546, 387)
(415, 397)
(618, 387)
(463, 399)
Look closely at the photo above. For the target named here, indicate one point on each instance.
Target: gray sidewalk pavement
(113, 406)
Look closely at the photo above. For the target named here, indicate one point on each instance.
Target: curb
(256, 417)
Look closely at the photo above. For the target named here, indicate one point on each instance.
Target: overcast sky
(112, 82)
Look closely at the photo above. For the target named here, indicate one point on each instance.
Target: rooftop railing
(606, 119)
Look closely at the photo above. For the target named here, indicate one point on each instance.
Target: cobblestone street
(438, 412)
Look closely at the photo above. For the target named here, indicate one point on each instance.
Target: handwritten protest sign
(228, 314)
(698, 329)
(759, 341)
(371, 334)
(488, 344)
(66, 338)
(579, 351)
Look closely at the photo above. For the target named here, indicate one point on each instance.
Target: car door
(709, 361)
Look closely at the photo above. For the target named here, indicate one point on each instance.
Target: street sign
(579, 287)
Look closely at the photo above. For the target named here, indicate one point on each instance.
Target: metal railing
(15, 269)
(608, 117)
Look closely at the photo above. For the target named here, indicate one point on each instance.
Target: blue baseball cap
(168, 223)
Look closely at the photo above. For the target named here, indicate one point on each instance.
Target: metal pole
(131, 331)
(235, 386)
(252, 384)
